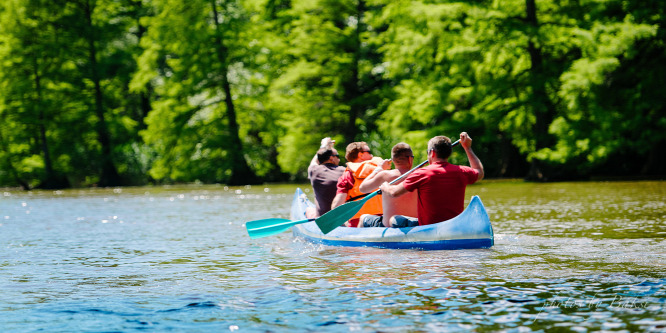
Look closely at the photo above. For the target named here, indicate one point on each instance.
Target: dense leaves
(121, 92)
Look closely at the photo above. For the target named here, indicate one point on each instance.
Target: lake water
(570, 256)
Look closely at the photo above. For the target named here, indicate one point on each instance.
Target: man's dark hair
(401, 152)
(323, 154)
(441, 145)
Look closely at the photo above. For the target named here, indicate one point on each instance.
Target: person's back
(441, 190)
(406, 205)
(324, 180)
(324, 173)
(403, 159)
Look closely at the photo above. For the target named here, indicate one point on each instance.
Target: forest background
(132, 92)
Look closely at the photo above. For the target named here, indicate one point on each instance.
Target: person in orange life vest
(360, 164)
(403, 158)
(324, 173)
(441, 185)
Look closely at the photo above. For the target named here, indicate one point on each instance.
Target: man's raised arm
(376, 178)
(474, 161)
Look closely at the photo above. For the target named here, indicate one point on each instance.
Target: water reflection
(595, 210)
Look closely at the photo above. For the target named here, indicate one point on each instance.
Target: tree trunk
(51, 179)
(48, 166)
(541, 104)
(109, 175)
(241, 173)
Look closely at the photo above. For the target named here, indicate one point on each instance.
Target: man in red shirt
(441, 185)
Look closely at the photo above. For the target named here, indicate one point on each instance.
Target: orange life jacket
(360, 171)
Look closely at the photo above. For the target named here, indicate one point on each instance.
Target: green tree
(511, 71)
(265, 57)
(329, 85)
(30, 75)
(432, 53)
(104, 48)
(193, 55)
(66, 68)
(612, 93)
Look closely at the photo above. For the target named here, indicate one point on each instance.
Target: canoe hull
(469, 230)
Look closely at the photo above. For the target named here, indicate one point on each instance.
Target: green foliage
(51, 78)
(592, 128)
(195, 58)
(329, 84)
(221, 90)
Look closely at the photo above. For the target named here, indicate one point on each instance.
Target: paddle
(267, 227)
(327, 222)
(339, 215)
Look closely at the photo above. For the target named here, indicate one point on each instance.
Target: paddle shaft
(276, 225)
(369, 196)
(404, 175)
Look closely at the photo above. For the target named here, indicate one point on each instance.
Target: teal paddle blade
(258, 224)
(269, 227)
(339, 215)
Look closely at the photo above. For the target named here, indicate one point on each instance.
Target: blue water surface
(179, 259)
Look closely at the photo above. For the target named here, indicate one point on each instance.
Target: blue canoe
(469, 230)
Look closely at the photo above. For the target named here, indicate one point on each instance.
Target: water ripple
(572, 257)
